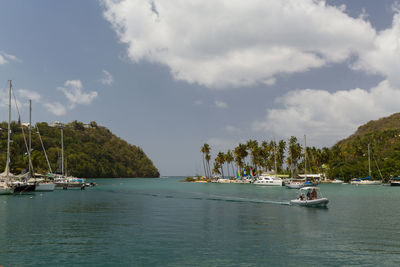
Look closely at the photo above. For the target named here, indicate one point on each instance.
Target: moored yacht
(268, 180)
(365, 181)
(295, 183)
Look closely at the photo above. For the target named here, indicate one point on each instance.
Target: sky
(169, 76)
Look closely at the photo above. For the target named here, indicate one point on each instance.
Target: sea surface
(166, 222)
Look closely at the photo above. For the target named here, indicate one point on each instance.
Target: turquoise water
(165, 222)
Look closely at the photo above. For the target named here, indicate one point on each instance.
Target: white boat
(337, 181)
(268, 180)
(366, 180)
(295, 183)
(309, 197)
(394, 181)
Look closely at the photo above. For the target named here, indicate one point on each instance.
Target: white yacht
(308, 197)
(295, 183)
(269, 180)
(365, 181)
(337, 181)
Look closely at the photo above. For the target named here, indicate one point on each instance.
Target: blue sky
(169, 76)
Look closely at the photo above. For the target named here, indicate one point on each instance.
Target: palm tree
(206, 157)
(220, 159)
(252, 146)
(202, 150)
(280, 156)
(216, 168)
(240, 153)
(294, 153)
(229, 159)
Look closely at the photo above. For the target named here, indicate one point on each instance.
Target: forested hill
(349, 157)
(90, 151)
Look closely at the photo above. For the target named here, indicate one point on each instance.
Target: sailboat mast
(62, 152)
(9, 130)
(369, 163)
(305, 157)
(30, 136)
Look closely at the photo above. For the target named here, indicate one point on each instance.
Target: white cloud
(107, 78)
(328, 117)
(232, 43)
(384, 57)
(73, 90)
(29, 94)
(56, 108)
(6, 58)
(221, 104)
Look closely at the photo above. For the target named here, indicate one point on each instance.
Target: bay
(166, 222)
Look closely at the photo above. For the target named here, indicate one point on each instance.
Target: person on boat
(309, 197)
(314, 194)
(301, 197)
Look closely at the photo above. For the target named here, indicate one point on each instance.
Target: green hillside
(350, 156)
(91, 151)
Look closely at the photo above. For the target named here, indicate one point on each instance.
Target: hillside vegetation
(89, 151)
(349, 157)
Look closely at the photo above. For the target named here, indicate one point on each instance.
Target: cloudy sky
(169, 76)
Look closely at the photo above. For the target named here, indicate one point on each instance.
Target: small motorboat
(394, 181)
(295, 183)
(309, 197)
(337, 181)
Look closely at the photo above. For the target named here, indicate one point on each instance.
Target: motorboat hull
(366, 182)
(268, 183)
(294, 185)
(320, 202)
(67, 185)
(45, 187)
(395, 184)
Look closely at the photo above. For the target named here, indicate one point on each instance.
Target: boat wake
(225, 199)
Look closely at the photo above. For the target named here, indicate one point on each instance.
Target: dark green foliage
(350, 156)
(90, 152)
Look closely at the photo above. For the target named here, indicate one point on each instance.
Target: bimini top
(309, 188)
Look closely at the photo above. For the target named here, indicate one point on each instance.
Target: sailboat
(42, 185)
(366, 180)
(12, 183)
(62, 181)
